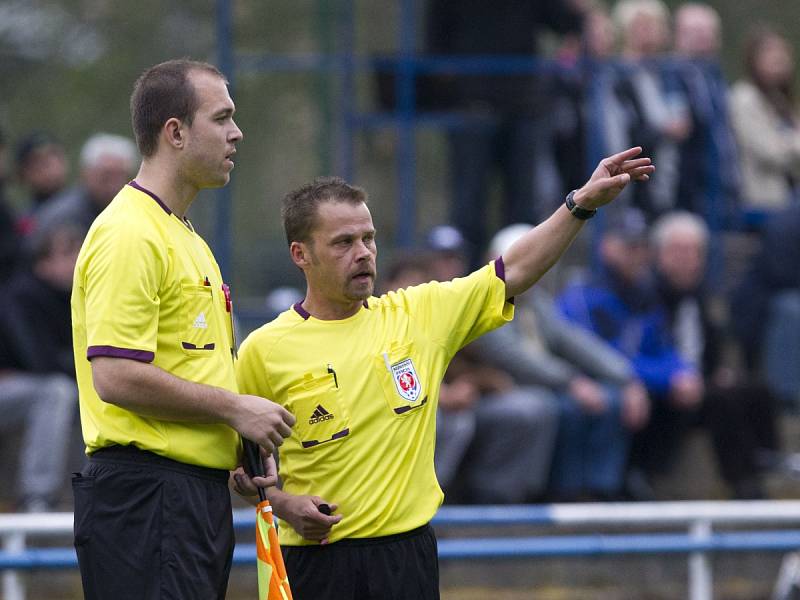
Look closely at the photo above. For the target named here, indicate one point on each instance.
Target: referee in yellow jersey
(153, 340)
(361, 374)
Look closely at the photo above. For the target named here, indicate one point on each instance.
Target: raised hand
(611, 176)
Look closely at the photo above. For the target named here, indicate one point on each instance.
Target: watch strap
(577, 211)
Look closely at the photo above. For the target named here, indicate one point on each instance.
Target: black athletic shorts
(396, 567)
(147, 527)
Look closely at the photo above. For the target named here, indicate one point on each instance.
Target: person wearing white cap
(601, 399)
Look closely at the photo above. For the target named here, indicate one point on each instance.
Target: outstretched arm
(533, 254)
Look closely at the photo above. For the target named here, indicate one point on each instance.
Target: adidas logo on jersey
(200, 322)
(319, 414)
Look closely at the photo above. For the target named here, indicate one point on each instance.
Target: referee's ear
(300, 254)
(173, 132)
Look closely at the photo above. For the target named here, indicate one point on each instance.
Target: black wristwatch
(577, 211)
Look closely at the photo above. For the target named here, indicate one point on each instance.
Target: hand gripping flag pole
(273, 584)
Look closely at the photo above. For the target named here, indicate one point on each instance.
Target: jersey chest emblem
(406, 380)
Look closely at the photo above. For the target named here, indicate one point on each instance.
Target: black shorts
(396, 567)
(147, 527)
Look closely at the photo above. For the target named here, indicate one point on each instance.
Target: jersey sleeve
(121, 278)
(456, 312)
(251, 371)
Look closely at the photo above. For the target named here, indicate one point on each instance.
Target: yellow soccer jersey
(146, 287)
(364, 391)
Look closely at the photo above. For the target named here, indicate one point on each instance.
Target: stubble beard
(361, 292)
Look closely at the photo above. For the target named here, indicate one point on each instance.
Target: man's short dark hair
(300, 206)
(39, 244)
(31, 143)
(161, 93)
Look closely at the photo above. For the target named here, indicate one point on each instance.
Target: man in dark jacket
(738, 411)
(508, 119)
(37, 387)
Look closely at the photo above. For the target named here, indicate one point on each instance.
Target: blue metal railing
(697, 518)
(505, 548)
(671, 514)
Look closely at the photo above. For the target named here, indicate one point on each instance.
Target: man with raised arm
(362, 375)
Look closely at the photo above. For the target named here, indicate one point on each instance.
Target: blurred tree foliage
(68, 66)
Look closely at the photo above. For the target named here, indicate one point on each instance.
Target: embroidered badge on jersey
(406, 380)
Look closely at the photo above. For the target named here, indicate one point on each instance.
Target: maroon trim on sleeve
(114, 352)
(500, 268)
(298, 308)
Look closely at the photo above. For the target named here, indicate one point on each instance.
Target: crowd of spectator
(587, 394)
(38, 250)
(647, 345)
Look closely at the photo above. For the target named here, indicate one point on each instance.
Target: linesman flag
(273, 584)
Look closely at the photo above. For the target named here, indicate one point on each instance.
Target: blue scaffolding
(342, 64)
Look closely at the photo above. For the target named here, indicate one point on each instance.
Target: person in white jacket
(766, 121)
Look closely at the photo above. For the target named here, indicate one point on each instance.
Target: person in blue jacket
(619, 303)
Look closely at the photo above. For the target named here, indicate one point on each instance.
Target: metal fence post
(13, 588)
(406, 130)
(701, 584)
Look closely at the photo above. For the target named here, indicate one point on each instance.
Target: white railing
(698, 518)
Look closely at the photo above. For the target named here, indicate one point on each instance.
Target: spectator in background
(708, 157)
(37, 302)
(448, 253)
(767, 122)
(599, 33)
(413, 267)
(8, 232)
(600, 397)
(767, 303)
(37, 387)
(738, 412)
(619, 304)
(107, 163)
(586, 109)
(280, 299)
(41, 167)
(656, 113)
(508, 115)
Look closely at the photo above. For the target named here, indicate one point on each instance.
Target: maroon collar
(298, 308)
(159, 201)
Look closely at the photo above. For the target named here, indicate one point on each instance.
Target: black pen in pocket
(332, 372)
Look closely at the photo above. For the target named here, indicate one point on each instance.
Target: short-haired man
(107, 163)
(154, 347)
(41, 166)
(362, 376)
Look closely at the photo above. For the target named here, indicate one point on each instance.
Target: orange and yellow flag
(273, 584)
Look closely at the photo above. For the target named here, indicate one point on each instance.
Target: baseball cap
(446, 238)
(504, 238)
(629, 225)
